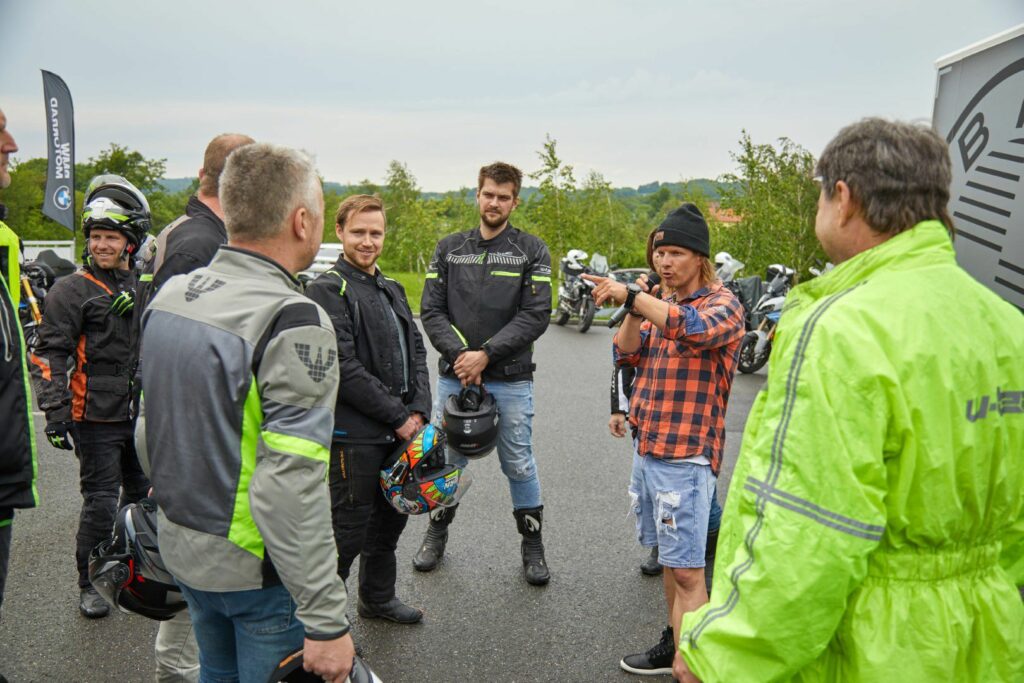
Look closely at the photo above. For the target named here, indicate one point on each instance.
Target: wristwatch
(632, 289)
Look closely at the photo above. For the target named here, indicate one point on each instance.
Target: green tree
(774, 193)
(551, 211)
(144, 173)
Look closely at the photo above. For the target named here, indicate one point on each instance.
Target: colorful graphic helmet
(419, 479)
(113, 203)
(471, 421)
(127, 570)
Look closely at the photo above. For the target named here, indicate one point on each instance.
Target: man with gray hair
(879, 478)
(244, 509)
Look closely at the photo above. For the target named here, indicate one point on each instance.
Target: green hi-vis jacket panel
(879, 483)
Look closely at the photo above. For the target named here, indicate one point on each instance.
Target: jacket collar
(924, 244)
(249, 264)
(195, 209)
(350, 271)
(509, 232)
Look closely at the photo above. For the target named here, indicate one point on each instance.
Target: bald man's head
(213, 161)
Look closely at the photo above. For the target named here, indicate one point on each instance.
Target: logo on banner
(62, 198)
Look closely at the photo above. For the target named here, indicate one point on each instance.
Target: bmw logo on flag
(62, 198)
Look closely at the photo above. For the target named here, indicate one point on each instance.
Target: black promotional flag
(59, 199)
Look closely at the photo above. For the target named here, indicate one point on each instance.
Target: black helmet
(471, 421)
(127, 569)
(290, 671)
(113, 203)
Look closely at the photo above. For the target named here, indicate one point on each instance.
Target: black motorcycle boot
(434, 541)
(91, 605)
(709, 558)
(529, 522)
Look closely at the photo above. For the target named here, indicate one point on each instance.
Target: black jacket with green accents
(371, 401)
(493, 295)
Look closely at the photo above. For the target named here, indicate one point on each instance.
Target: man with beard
(487, 298)
(684, 348)
(383, 399)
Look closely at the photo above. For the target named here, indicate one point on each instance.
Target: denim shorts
(672, 502)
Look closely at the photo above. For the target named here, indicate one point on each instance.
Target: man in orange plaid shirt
(684, 349)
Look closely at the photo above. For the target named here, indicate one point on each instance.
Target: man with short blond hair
(244, 508)
(383, 400)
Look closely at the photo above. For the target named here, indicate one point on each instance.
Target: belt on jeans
(518, 369)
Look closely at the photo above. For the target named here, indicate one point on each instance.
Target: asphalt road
(483, 622)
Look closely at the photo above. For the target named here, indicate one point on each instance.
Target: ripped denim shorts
(672, 501)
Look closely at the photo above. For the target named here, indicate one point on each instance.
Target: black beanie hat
(684, 227)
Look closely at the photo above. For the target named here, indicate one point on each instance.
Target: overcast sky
(640, 91)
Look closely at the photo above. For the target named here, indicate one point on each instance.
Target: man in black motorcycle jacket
(486, 299)
(383, 400)
(81, 367)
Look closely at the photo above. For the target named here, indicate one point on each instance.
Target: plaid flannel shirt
(684, 376)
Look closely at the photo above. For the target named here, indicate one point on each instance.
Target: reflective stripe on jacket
(879, 478)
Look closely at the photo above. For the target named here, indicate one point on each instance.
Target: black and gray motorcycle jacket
(493, 295)
(17, 446)
(384, 378)
(83, 335)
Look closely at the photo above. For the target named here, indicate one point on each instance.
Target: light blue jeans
(515, 438)
(672, 501)
(243, 635)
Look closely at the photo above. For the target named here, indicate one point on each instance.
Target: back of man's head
(261, 187)
(898, 173)
(215, 157)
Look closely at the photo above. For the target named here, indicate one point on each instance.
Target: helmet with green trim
(417, 478)
(113, 203)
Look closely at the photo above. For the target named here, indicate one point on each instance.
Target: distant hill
(710, 188)
(175, 185)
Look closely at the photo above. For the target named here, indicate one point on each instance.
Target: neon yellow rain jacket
(880, 477)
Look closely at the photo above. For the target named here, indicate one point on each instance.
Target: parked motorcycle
(747, 289)
(763, 319)
(37, 277)
(576, 295)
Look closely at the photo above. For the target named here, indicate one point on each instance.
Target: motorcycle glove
(59, 435)
(123, 303)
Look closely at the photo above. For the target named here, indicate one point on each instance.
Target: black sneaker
(655, 662)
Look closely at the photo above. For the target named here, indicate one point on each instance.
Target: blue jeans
(672, 501)
(243, 635)
(515, 438)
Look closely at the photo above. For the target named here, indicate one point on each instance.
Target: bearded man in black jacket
(486, 299)
(383, 400)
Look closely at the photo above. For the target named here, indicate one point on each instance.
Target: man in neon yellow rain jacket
(882, 469)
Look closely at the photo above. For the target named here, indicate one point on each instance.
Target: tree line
(771, 192)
